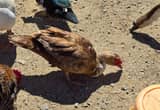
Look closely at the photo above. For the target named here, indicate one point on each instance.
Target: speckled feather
(8, 88)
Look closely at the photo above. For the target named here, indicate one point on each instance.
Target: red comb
(118, 62)
(18, 75)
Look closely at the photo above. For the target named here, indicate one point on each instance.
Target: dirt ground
(106, 24)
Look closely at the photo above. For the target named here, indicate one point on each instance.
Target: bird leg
(68, 77)
(72, 82)
(9, 32)
(42, 14)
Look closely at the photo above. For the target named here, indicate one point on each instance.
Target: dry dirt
(106, 24)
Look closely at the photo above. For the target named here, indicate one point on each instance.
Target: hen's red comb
(118, 62)
(18, 75)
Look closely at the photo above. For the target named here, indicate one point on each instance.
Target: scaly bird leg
(72, 82)
(42, 14)
(67, 77)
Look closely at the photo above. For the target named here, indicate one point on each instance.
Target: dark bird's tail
(146, 19)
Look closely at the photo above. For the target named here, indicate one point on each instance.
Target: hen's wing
(64, 43)
(61, 48)
(55, 41)
(69, 51)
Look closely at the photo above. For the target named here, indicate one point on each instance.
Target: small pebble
(44, 107)
(116, 92)
(124, 89)
(21, 62)
(158, 51)
(85, 105)
(112, 84)
(76, 105)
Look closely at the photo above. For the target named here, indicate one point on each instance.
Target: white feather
(7, 19)
(7, 14)
(10, 4)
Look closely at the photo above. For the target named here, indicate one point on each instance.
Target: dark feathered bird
(61, 8)
(9, 80)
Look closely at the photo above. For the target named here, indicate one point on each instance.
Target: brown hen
(68, 51)
(9, 80)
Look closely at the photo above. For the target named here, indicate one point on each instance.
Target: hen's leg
(67, 77)
(72, 82)
(42, 14)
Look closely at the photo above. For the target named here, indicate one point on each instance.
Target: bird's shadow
(53, 86)
(146, 39)
(44, 21)
(7, 51)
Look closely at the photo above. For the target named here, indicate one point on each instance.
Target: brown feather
(8, 88)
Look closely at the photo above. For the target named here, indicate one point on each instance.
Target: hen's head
(106, 58)
(111, 59)
(18, 75)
